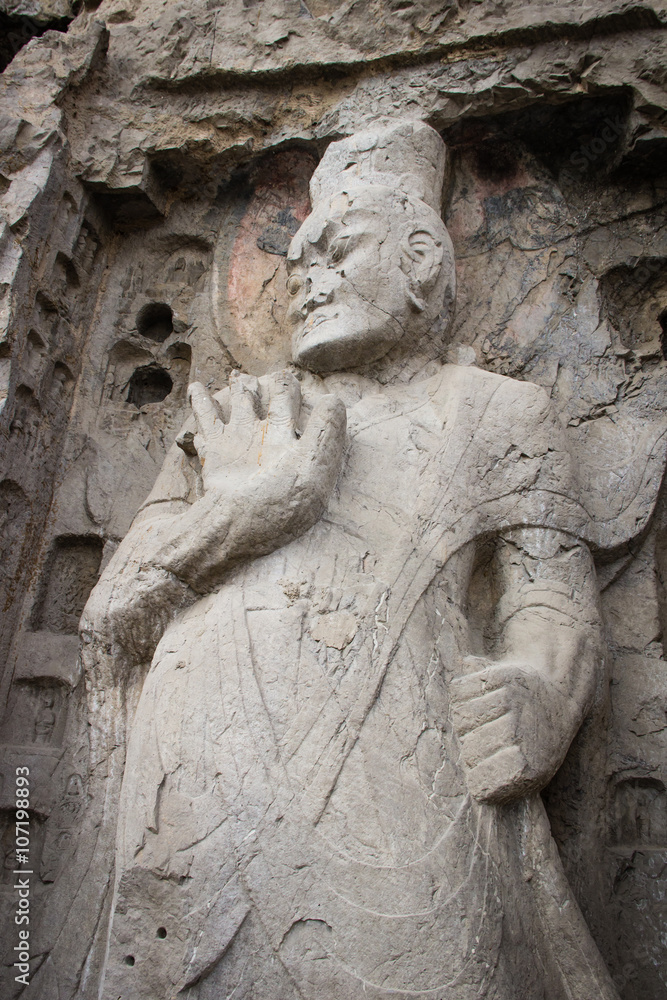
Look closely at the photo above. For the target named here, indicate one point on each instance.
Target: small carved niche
(14, 517)
(45, 307)
(35, 713)
(69, 203)
(639, 813)
(148, 384)
(35, 351)
(179, 352)
(179, 357)
(62, 383)
(71, 572)
(635, 302)
(155, 321)
(45, 318)
(65, 276)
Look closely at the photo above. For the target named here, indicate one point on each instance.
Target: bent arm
(517, 711)
(176, 551)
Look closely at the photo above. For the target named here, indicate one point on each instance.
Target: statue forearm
(220, 530)
(548, 616)
(516, 714)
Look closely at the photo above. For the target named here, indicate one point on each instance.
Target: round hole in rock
(155, 321)
(162, 932)
(129, 959)
(148, 384)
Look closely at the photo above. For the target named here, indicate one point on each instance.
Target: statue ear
(422, 255)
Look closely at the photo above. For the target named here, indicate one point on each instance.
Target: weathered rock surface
(154, 167)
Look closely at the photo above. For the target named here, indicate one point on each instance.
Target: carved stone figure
(46, 719)
(371, 611)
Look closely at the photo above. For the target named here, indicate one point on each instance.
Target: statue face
(348, 292)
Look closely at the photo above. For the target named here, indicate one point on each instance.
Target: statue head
(372, 267)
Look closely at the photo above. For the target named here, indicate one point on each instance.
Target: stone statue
(372, 616)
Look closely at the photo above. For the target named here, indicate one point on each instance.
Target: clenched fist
(514, 727)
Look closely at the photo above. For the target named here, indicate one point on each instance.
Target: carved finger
(469, 715)
(326, 427)
(481, 743)
(319, 452)
(284, 405)
(244, 401)
(477, 684)
(209, 423)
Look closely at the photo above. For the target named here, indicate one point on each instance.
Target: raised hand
(514, 726)
(264, 485)
(261, 424)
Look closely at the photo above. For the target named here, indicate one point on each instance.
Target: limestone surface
(332, 382)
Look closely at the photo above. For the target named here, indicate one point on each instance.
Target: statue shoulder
(506, 401)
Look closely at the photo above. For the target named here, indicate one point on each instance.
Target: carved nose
(319, 297)
(319, 292)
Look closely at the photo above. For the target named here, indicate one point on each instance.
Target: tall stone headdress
(408, 157)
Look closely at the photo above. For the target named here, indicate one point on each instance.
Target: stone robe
(294, 820)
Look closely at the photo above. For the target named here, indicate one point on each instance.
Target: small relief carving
(86, 248)
(7, 845)
(63, 825)
(37, 828)
(15, 514)
(71, 572)
(62, 383)
(35, 713)
(8, 865)
(74, 798)
(46, 718)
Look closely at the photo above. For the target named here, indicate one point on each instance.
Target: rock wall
(154, 165)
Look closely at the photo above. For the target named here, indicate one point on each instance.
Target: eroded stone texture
(154, 168)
